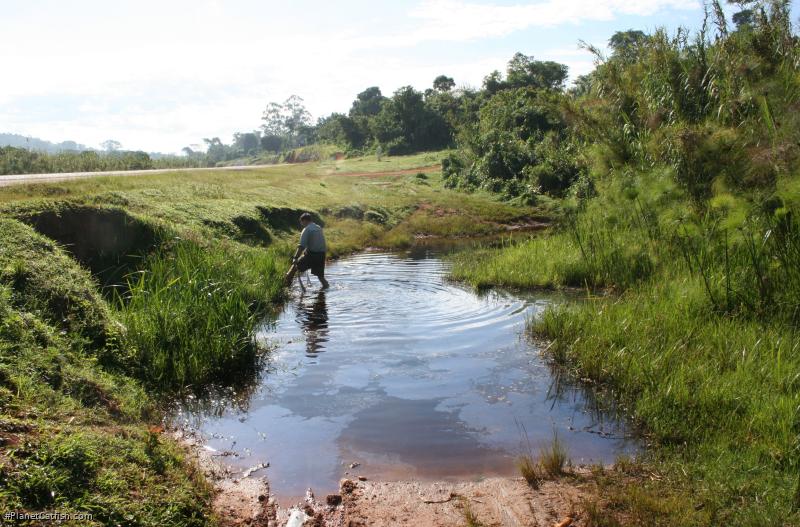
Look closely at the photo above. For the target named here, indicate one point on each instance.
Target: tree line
(408, 121)
(523, 133)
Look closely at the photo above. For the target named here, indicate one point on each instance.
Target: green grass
(371, 163)
(470, 517)
(529, 469)
(225, 203)
(191, 312)
(719, 396)
(551, 462)
(685, 237)
(553, 457)
(545, 262)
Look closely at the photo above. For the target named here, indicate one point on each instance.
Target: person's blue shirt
(312, 239)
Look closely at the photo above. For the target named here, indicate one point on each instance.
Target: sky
(161, 75)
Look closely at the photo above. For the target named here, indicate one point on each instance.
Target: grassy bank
(681, 223)
(74, 426)
(691, 322)
(118, 292)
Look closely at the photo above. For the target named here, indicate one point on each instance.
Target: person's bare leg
(325, 284)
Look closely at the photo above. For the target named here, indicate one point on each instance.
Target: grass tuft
(470, 517)
(529, 469)
(553, 457)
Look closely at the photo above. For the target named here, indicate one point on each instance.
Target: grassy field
(118, 292)
(233, 204)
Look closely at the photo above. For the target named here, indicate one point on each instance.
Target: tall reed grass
(191, 312)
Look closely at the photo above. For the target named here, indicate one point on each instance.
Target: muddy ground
(243, 498)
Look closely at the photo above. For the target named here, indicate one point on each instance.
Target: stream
(396, 373)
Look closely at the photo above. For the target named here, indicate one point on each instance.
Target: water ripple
(408, 374)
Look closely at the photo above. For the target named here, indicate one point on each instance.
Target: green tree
(339, 129)
(406, 124)
(216, 151)
(582, 85)
(524, 71)
(518, 147)
(626, 44)
(443, 83)
(271, 143)
(289, 120)
(247, 143)
(274, 120)
(493, 82)
(111, 145)
(744, 18)
(368, 103)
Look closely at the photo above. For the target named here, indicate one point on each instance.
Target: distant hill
(34, 143)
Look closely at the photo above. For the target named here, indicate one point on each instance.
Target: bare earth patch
(242, 498)
(501, 502)
(491, 502)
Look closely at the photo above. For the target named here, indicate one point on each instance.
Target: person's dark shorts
(313, 261)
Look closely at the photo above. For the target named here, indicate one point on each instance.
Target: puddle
(401, 374)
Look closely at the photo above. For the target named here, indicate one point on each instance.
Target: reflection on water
(407, 375)
(312, 317)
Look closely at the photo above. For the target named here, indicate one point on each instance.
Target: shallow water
(409, 376)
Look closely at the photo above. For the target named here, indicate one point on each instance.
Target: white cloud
(159, 75)
(457, 20)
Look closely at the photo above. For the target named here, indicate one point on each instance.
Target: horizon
(158, 78)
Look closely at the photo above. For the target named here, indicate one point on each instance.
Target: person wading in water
(310, 253)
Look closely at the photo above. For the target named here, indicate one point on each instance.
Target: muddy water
(406, 375)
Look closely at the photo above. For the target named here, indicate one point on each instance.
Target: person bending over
(310, 253)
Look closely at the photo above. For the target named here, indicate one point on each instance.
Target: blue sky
(160, 75)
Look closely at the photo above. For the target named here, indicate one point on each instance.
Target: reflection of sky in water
(408, 375)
